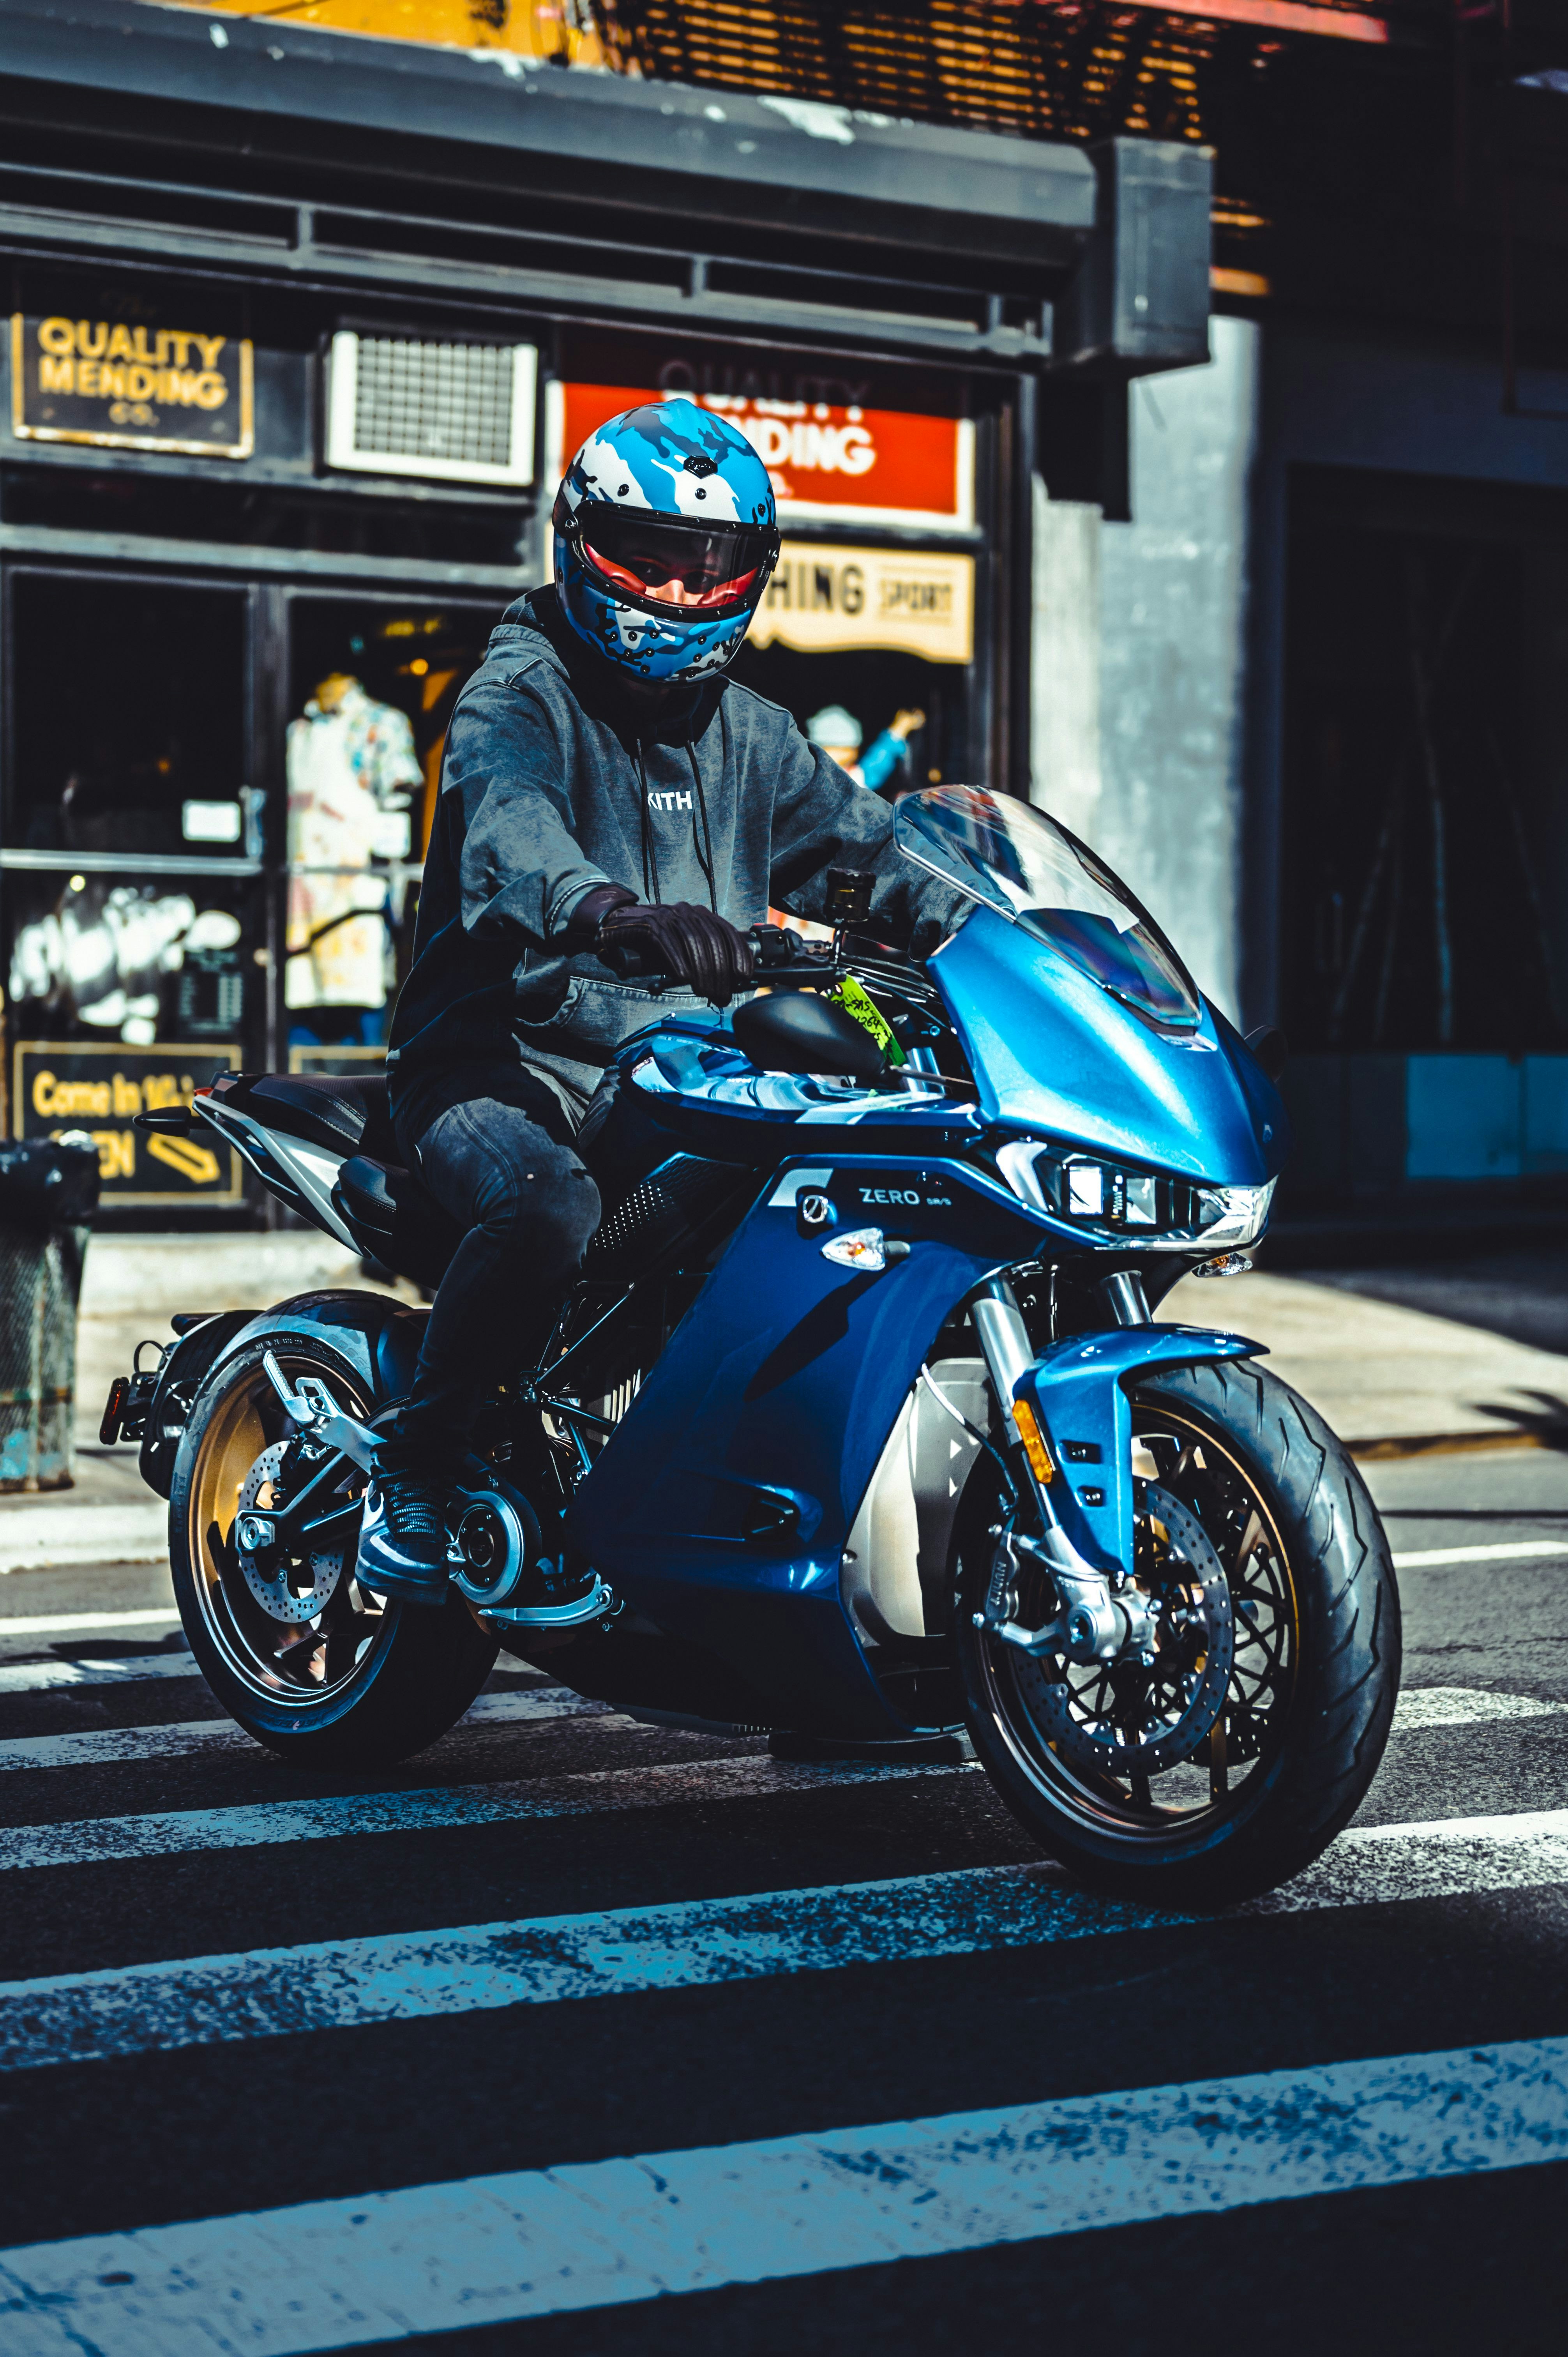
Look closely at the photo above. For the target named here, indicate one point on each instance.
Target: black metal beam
(475, 119)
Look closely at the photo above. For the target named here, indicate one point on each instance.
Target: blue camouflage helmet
(665, 535)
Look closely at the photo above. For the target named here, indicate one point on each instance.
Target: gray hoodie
(551, 785)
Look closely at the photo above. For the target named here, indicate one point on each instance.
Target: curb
(1456, 1443)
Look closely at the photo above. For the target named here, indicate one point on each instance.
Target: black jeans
(493, 1145)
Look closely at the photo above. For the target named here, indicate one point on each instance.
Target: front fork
(1070, 1409)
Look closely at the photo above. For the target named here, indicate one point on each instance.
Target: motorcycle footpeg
(599, 1603)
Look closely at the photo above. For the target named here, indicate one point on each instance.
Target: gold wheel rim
(240, 1426)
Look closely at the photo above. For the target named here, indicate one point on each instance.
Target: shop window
(124, 992)
(872, 689)
(1425, 867)
(372, 685)
(122, 957)
(128, 718)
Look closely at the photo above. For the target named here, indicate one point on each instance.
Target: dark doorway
(1426, 823)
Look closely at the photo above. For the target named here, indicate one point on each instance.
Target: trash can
(48, 1191)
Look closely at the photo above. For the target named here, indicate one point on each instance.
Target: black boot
(406, 1536)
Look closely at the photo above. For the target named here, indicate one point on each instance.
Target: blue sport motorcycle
(859, 1416)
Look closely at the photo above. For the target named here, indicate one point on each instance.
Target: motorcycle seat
(394, 1219)
(346, 1115)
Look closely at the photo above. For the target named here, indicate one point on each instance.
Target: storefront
(258, 521)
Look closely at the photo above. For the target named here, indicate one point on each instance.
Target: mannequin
(352, 767)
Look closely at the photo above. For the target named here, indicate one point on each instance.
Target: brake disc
(1114, 1718)
(288, 1588)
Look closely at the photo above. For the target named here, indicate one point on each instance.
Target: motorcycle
(858, 1428)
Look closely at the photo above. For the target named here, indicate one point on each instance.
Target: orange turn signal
(1034, 1441)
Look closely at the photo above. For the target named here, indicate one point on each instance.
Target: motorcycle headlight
(1124, 1206)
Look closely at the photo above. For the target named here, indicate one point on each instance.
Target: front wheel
(311, 1662)
(1282, 1583)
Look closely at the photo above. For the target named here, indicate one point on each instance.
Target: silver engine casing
(896, 1552)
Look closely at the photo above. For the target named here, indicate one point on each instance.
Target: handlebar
(781, 961)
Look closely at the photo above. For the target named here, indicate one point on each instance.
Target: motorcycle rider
(604, 787)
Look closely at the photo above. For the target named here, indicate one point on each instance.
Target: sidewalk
(132, 1286)
(1389, 1380)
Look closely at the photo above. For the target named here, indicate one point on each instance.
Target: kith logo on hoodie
(668, 802)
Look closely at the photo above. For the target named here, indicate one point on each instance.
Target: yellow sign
(130, 387)
(825, 600)
(101, 1088)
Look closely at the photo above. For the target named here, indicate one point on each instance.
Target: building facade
(302, 328)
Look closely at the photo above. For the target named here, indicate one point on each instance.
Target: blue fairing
(1057, 1055)
(774, 1400)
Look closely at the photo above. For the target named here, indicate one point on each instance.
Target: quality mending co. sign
(131, 386)
(64, 1086)
(841, 465)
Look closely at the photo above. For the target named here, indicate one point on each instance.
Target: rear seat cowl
(343, 1113)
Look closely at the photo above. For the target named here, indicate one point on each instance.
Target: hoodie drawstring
(706, 865)
(649, 848)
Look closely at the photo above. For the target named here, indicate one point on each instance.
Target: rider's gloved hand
(689, 943)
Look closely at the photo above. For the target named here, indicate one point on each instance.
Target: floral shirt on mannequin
(351, 765)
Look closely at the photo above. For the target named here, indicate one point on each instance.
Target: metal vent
(452, 412)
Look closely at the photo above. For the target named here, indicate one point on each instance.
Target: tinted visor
(674, 563)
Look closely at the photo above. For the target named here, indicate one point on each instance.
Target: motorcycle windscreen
(1021, 862)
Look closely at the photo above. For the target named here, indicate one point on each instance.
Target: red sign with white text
(844, 466)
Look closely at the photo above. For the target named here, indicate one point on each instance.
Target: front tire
(1310, 1694)
(320, 1670)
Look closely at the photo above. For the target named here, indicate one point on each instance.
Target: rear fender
(182, 1371)
(373, 1334)
(1080, 1390)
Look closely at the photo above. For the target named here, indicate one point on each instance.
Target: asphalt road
(396, 2102)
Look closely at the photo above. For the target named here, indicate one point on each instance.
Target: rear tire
(1310, 1698)
(381, 1680)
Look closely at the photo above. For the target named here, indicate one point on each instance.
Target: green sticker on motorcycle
(854, 1001)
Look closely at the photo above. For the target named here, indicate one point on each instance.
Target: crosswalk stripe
(497, 2249)
(1508, 1551)
(1423, 1706)
(174, 1833)
(481, 1967)
(109, 1747)
(129, 1668)
(1420, 1708)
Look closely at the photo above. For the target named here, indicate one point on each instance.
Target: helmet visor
(675, 564)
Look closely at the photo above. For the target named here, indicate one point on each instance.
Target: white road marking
(1423, 1706)
(38, 1538)
(59, 1624)
(489, 2250)
(174, 1833)
(42, 1677)
(111, 1747)
(547, 1960)
(1508, 1551)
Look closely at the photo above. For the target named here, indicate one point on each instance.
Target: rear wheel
(1225, 1763)
(312, 1663)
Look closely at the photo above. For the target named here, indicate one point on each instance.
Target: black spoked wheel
(312, 1662)
(1224, 1757)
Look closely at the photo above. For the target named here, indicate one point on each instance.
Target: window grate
(455, 413)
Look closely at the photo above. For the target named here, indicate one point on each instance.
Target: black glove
(690, 944)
